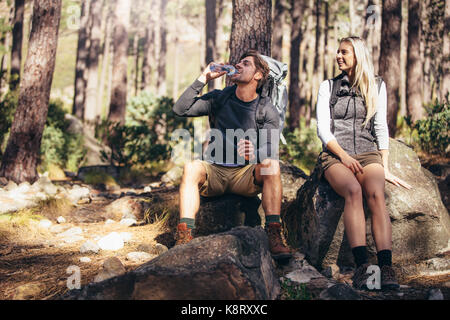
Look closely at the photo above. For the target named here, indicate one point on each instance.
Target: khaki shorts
(238, 180)
(327, 159)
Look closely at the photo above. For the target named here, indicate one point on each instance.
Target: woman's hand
(394, 180)
(352, 164)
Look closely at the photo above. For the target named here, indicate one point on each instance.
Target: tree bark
(81, 62)
(295, 102)
(92, 109)
(118, 103)
(389, 64)
(149, 49)
(22, 152)
(445, 86)
(414, 64)
(278, 22)
(251, 28)
(210, 36)
(106, 59)
(161, 79)
(16, 53)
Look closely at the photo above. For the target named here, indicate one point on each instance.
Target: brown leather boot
(183, 234)
(277, 247)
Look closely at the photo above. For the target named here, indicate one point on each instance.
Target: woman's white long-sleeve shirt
(324, 117)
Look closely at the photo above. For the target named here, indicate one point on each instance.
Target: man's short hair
(260, 65)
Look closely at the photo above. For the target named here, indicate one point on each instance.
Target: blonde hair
(364, 78)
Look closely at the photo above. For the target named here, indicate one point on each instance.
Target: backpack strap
(335, 85)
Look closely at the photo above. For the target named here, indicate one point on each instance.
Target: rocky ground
(105, 233)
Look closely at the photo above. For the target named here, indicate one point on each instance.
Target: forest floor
(36, 261)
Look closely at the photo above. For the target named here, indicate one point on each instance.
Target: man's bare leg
(268, 174)
(194, 176)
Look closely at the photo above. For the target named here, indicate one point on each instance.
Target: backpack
(335, 85)
(274, 89)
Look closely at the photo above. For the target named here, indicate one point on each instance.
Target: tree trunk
(414, 63)
(81, 62)
(92, 110)
(118, 104)
(161, 80)
(106, 60)
(16, 53)
(351, 14)
(295, 103)
(251, 28)
(390, 58)
(445, 86)
(318, 54)
(368, 21)
(149, 49)
(23, 149)
(326, 64)
(5, 41)
(210, 36)
(278, 22)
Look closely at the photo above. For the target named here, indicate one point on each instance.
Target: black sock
(189, 221)
(273, 218)
(360, 255)
(384, 258)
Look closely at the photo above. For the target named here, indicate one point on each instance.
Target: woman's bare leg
(372, 182)
(344, 182)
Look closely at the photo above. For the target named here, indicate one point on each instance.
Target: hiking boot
(388, 279)
(277, 247)
(183, 234)
(360, 277)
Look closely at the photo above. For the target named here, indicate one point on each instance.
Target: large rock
(219, 214)
(420, 222)
(226, 266)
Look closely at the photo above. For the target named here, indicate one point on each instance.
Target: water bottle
(219, 68)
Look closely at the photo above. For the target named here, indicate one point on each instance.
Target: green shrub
(145, 137)
(58, 146)
(433, 131)
(302, 148)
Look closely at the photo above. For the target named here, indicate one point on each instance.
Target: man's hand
(208, 75)
(246, 149)
(394, 180)
(352, 164)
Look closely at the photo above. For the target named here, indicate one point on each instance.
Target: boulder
(232, 265)
(219, 214)
(133, 208)
(420, 222)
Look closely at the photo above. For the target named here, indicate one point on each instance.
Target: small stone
(57, 228)
(10, 186)
(154, 185)
(89, 246)
(114, 265)
(85, 259)
(112, 241)
(72, 239)
(128, 222)
(61, 219)
(340, 291)
(71, 232)
(137, 257)
(126, 236)
(160, 248)
(109, 221)
(435, 294)
(147, 189)
(45, 223)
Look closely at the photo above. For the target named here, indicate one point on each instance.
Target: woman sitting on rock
(351, 117)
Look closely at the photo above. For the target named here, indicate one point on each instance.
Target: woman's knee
(353, 192)
(374, 194)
